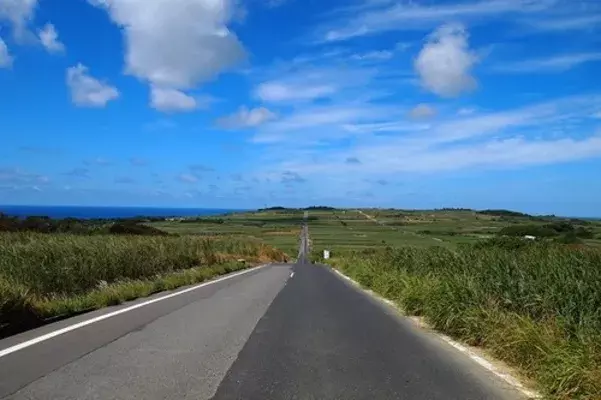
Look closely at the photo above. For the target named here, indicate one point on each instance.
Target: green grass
(44, 275)
(342, 230)
(536, 306)
(279, 229)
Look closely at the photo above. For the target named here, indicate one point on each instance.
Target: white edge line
(458, 346)
(73, 327)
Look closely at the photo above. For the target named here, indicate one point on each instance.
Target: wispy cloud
(246, 118)
(78, 173)
(138, 162)
(558, 63)
(500, 140)
(40, 150)
(316, 123)
(291, 177)
(160, 125)
(20, 177)
(125, 180)
(422, 111)
(6, 60)
(280, 91)
(187, 178)
(198, 169)
(103, 162)
(562, 24)
(386, 16)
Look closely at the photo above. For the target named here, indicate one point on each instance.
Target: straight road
(277, 332)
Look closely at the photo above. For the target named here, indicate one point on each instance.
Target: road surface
(276, 332)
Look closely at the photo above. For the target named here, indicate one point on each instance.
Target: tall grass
(536, 306)
(44, 275)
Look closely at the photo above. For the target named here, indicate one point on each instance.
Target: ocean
(109, 212)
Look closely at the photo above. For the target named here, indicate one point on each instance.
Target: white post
(326, 254)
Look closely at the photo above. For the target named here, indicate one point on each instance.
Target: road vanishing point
(274, 332)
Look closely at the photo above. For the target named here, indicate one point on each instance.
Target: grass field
(49, 275)
(344, 230)
(535, 305)
(279, 229)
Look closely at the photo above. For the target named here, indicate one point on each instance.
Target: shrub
(121, 228)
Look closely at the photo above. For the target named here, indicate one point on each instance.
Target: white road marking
(458, 346)
(73, 327)
(292, 274)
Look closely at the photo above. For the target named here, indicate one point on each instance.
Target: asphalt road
(277, 332)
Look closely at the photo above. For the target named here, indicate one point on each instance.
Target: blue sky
(247, 103)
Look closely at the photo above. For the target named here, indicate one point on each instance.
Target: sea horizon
(92, 212)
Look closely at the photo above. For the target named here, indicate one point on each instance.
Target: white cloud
(19, 13)
(6, 60)
(49, 38)
(445, 62)
(422, 111)
(387, 16)
(282, 92)
(552, 64)
(87, 91)
(176, 44)
(245, 118)
(171, 100)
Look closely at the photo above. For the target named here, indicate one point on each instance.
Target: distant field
(342, 230)
(280, 229)
(357, 229)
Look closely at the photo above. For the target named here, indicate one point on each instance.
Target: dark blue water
(108, 212)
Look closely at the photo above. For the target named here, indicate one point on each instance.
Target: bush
(530, 230)
(569, 238)
(547, 230)
(203, 221)
(135, 229)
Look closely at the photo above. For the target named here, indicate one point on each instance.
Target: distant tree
(320, 208)
(504, 213)
(128, 228)
(276, 208)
